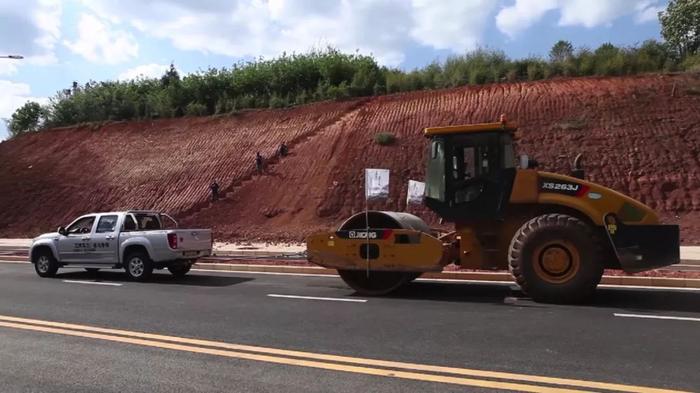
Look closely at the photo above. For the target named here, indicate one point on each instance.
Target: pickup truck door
(75, 246)
(104, 239)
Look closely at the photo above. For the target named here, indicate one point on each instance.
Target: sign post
(376, 187)
(416, 191)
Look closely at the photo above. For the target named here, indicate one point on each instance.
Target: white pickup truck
(137, 241)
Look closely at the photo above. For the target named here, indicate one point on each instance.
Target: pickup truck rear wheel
(179, 270)
(45, 264)
(138, 266)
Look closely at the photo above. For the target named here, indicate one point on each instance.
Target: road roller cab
(555, 233)
(470, 170)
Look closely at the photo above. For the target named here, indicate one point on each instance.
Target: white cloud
(98, 42)
(455, 24)
(523, 14)
(30, 28)
(252, 28)
(152, 70)
(647, 12)
(7, 67)
(13, 96)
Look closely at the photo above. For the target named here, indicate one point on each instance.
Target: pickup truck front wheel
(138, 266)
(45, 264)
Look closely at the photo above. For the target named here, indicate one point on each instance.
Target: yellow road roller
(556, 233)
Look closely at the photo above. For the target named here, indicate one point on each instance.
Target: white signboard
(416, 190)
(376, 183)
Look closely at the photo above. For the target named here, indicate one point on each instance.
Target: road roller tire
(378, 283)
(556, 258)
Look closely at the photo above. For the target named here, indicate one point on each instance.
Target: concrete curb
(18, 258)
(663, 282)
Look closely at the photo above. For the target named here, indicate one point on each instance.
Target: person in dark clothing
(284, 150)
(214, 187)
(259, 163)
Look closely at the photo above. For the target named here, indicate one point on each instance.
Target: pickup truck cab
(138, 241)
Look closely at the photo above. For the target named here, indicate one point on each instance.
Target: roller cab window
(470, 174)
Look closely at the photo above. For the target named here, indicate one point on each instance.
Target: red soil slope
(639, 135)
(49, 178)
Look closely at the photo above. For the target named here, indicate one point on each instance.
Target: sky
(74, 40)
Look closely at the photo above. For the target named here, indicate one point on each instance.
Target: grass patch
(385, 138)
(575, 124)
(693, 91)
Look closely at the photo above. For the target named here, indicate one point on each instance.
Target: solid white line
(512, 283)
(334, 299)
(113, 284)
(677, 289)
(645, 316)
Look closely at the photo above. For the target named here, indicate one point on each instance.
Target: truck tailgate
(193, 239)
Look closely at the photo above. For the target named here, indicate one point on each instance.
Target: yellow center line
(297, 362)
(346, 359)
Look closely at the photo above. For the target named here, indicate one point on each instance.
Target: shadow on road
(157, 278)
(630, 299)
(461, 292)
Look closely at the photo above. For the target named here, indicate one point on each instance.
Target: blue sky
(73, 40)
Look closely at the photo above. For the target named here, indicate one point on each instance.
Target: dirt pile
(639, 135)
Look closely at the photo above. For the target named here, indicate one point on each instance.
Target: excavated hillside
(639, 135)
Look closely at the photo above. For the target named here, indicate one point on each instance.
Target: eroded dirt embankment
(639, 135)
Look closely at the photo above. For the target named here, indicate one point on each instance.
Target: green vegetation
(385, 138)
(329, 74)
(27, 118)
(680, 26)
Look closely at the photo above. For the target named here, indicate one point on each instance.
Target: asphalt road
(475, 329)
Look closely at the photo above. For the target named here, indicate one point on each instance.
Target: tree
(561, 51)
(170, 77)
(680, 26)
(27, 118)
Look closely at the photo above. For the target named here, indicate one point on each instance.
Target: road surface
(248, 332)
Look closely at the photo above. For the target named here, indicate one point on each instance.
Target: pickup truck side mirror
(62, 231)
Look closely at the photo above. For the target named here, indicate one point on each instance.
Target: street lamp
(15, 57)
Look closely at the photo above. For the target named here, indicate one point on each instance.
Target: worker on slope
(284, 150)
(214, 187)
(259, 163)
